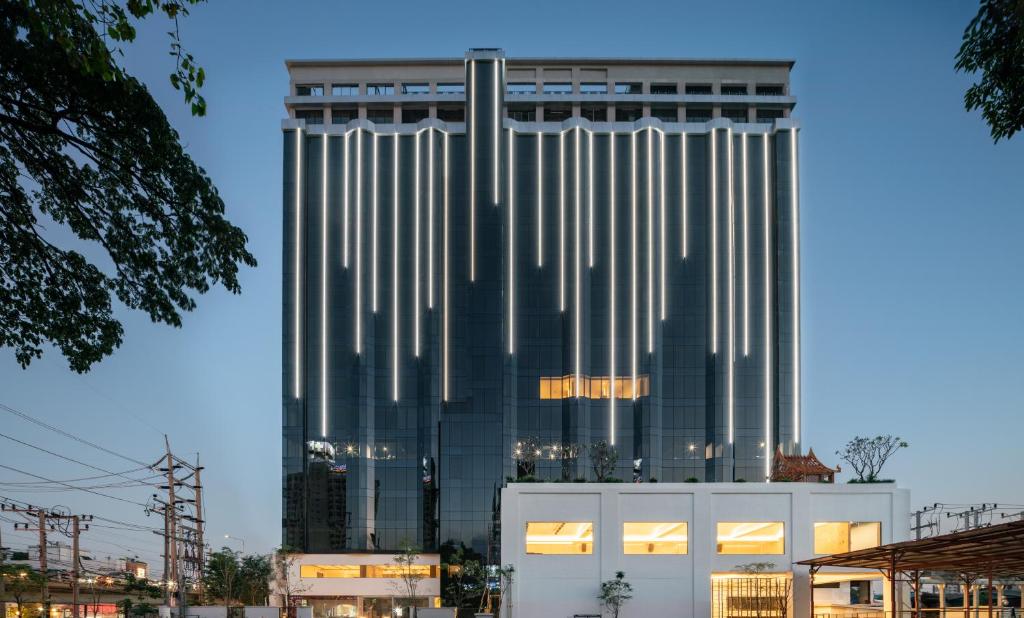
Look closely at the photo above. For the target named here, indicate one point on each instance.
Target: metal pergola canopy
(993, 551)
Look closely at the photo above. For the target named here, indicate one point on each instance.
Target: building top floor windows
(452, 88)
(594, 113)
(345, 90)
(311, 116)
(628, 88)
(415, 88)
(698, 114)
(557, 112)
(309, 90)
(594, 88)
(663, 89)
(522, 113)
(768, 114)
(342, 115)
(557, 88)
(521, 88)
(380, 89)
(769, 90)
(734, 89)
(380, 115)
(735, 114)
(698, 89)
(665, 113)
(451, 113)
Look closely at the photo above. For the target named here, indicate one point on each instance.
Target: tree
(409, 575)
(221, 575)
(506, 577)
(615, 593)
(867, 455)
(21, 583)
(254, 575)
(993, 45)
(462, 576)
(763, 593)
(284, 583)
(526, 453)
(603, 457)
(98, 197)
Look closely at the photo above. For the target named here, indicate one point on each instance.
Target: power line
(46, 425)
(91, 491)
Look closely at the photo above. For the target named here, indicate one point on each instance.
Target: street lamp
(235, 538)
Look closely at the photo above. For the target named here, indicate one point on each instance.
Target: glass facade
(453, 290)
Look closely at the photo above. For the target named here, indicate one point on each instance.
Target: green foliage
(615, 593)
(692, 479)
(409, 579)
(462, 575)
(753, 568)
(993, 45)
(141, 587)
(22, 585)
(603, 457)
(254, 575)
(221, 576)
(90, 166)
(867, 456)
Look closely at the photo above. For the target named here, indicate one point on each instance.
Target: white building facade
(688, 548)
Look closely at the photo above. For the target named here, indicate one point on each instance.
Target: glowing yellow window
(559, 537)
(396, 571)
(762, 537)
(329, 571)
(646, 537)
(545, 389)
(836, 537)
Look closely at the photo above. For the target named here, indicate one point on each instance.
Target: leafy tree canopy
(90, 165)
(993, 45)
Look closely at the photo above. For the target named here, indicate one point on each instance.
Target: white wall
(560, 586)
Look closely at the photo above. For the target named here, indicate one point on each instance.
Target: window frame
(685, 543)
(781, 541)
(588, 542)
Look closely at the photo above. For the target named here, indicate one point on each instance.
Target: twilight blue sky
(912, 218)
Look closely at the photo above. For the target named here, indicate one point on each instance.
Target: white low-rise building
(711, 550)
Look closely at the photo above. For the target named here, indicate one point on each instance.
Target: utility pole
(918, 526)
(975, 513)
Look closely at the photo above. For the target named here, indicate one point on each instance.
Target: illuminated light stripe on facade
(650, 241)
(794, 224)
(511, 245)
(611, 286)
(359, 241)
(632, 265)
(394, 271)
(445, 249)
(682, 165)
(472, 173)
(768, 449)
(714, 243)
(577, 260)
(298, 262)
(663, 222)
(430, 218)
(590, 196)
(323, 291)
(497, 132)
(374, 225)
(746, 257)
(540, 200)
(416, 251)
(561, 221)
(731, 282)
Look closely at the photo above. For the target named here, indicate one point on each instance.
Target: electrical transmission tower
(182, 509)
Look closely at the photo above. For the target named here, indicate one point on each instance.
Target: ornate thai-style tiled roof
(797, 468)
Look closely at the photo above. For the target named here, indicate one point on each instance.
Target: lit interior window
(763, 537)
(559, 537)
(647, 537)
(836, 537)
(768, 595)
(591, 387)
(396, 571)
(329, 571)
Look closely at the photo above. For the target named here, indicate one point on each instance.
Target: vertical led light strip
(561, 221)
(430, 218)
(632, 264)
(497, 133)
(650, 241)
(511, 245)
(795, 225)
(298, 262)
(662, 222)
(416, 252)
(731, 282)
(395, 306)
(358, 241)
(590, 195)
(611, 286)
(472, 173)
(540, 199)
(445, 249)
(578, 259)
(714, 244)
(746, 257)
(374, 224)
(323, 292)
(768, 450)
(344, 202)
(682, 175)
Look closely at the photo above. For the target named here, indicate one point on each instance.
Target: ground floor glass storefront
(365, 607)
